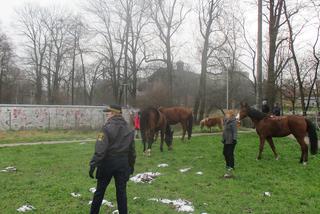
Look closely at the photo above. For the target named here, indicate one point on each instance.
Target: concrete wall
(19, 117)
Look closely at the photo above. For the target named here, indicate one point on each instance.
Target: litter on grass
(92, 189)
(163, 165)
(180, 205)
(25, 208)
(104, 202)
(199, 173)
(75, 195)
(9, 169)
(146, 177)
(184, 170)
(267, 194)
(136, 198)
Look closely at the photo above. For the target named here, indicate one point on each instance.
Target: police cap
(113, 108)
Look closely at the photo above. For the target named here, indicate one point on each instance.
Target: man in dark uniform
(276, 110)
(265, 107)
(114, 156)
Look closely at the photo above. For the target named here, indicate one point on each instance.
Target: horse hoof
(304, 163)
(277, 158)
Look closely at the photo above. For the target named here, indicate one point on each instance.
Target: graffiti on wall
(20, 117)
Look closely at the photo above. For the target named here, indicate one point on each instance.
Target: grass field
(7, 137)
(47, 174)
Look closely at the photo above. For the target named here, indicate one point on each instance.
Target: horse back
(175, 115)
(280, 126)
(211, 121)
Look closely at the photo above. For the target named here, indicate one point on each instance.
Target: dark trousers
(228, 150)
(120, 172)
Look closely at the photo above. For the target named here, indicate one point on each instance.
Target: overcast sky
(187, 34)
(7, 8)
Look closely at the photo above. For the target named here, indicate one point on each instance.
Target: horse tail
(313, 137)
(189, 125)
(144, 120)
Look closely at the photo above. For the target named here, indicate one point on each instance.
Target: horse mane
(255, 114)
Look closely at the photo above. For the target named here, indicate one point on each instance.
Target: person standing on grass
(229, 140)
(114, 156)
(137, 124)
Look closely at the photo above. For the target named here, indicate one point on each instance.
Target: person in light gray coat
(229, 139)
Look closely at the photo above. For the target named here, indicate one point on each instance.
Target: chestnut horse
(152, 121)
(181, 115)
(273, 126)
(211, 121)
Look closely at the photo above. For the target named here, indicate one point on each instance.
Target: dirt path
(92, 140)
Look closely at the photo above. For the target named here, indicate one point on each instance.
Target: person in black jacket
(276, 110)
(265, 107)
(114, 156)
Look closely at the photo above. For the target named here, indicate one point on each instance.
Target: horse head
(243, 112)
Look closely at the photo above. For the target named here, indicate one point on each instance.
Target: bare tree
(6, 54)
(58, 24)
(209, 12)
(137, 44)
(249, 50)
(76, 31)
(167, 17)
(315, 54)
(31, 27)
(111, 33)
(275, 22)
(289, 14)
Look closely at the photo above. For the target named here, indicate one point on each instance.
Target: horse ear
(243, 104)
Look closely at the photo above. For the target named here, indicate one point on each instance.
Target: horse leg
(304, 150)
(262, 141)
(270, 141)
(143, 138)
(150, 142)
(148, 153)
(161, 140)
(156, 136)
(168, 136)
(184, 129)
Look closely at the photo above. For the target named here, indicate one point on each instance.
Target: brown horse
(211, 121)
(272, 126)
(152, 121)
(181, 115)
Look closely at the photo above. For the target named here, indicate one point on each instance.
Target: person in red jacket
(137, 124)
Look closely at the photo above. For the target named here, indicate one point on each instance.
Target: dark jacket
(276, 111)
(116, 140)
(265, 109)
(229, 135)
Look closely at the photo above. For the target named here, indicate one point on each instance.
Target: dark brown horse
(152, 121)
(211, 121)
(181, 115)
(272, 126)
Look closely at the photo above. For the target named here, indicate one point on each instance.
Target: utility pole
(259, 57)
